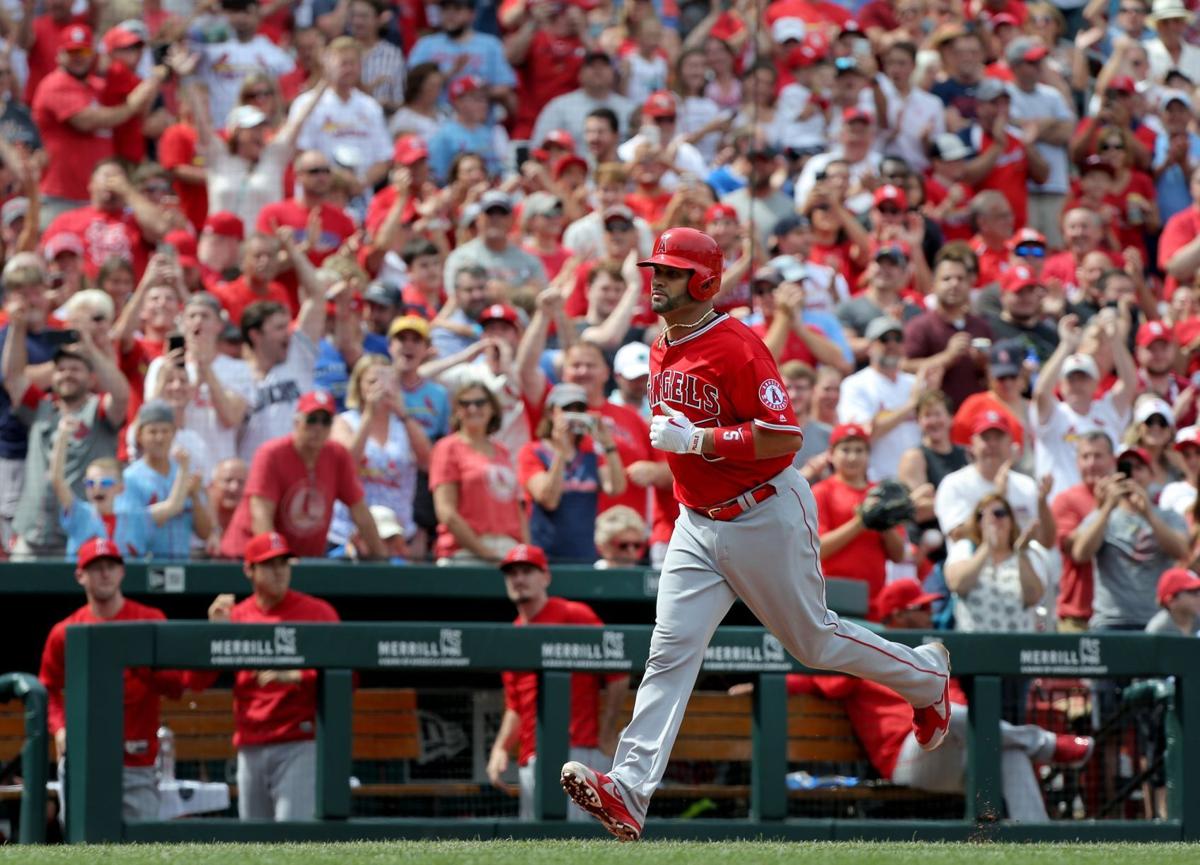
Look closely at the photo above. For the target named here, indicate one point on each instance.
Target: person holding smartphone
(564, 470)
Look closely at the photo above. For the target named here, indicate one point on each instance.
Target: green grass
(608, 853)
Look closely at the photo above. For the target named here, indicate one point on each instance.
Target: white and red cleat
(931, 723)
(598, 794)
(1073, 751)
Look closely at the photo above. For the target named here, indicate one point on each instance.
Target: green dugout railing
(96, 656)
(31, 692)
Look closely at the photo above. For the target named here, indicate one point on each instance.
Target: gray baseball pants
(277, 782)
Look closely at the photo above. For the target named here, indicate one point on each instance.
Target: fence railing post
(983, 788)
(335, 735)
(768, 769)
(553, 745)
(1183, 756)
(31, 692)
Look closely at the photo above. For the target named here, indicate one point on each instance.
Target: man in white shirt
(1169, 50)
(1043, 114)
(856, 140)
(1056, 425)
(914, 116)
(883, 399)
(223, 65)
(282, 364)
(660, 129)
(224, 387)
(597, 89)
(347, 125)
(991, 471)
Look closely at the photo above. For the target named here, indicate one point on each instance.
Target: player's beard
(670, 303)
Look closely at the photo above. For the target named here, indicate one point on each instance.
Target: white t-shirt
(274, 396)
(1178, 496)
(810, 132)
(356, 124)
(201, 416)
(224, 65)
(1054, 441)
(864, 395)
(910, 116)
(959, 492)
(1045, 102)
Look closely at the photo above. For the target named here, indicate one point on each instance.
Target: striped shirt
(383, 73)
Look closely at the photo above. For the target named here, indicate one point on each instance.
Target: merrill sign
(446, 651)
(608, 655)
(1083, 661)
(281, 649)
(768, 657)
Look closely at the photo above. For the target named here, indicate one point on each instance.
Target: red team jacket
(143, 686)
(720, 375)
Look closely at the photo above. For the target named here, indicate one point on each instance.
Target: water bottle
(166, 754)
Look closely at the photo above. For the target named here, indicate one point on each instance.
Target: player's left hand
(674, 433)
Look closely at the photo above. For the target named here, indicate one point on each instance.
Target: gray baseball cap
(564, 394)
(880, 327)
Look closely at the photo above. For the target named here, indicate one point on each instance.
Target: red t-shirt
(118, 82)
(881, 718)
(303, 498)
(576, 304)
(649, 206)
(992, 262)
(1062, 266)
(1070, 508)
(177, 147)
(71, 154)
(865, 559)
(521, 688)
(235, 296)
(336, 229)
(721, 376)
(143, 686)
(43, 53)
(551, 69)
(1180, 230)
(631, 435)
(809, 11)
(794, 348)
(552, 261)
(104, 235)
(134, 364)
(879, 13)
(837, 256)
(488, 491)
(278, 712)
(959, 227)
(975, 405)
(1009, 177)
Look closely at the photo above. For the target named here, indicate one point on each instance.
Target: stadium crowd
(364, 273)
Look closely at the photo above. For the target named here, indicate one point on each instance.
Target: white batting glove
(674, 433)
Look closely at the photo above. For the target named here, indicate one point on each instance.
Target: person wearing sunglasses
(1021, 317)
(1153, 431)
(295, 480)
(621, 538)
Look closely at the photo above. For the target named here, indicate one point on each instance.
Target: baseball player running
(748, 529)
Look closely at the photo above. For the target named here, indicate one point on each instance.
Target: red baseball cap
(225, 224)
(1026, 235)
(559, 138)
(525, 554)
(900, 595)
(661, 103)
(1004, 18)
(77, 37)
(844, 431)
(1176, 580)
(264, 547)
(97, 548)
(854, 113)
(118, 38)
(567, 160)
(1189, 435)
(185, 246)
(720, 211)
(1122, 84)
(463, 86)
(1149, 332)
(316, 400)
(1137, 453)
(500, 312)
(990, 420)
(1017, 278)
(409, 150)
(892, 194)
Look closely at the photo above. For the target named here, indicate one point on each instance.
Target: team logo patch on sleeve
(772, 395)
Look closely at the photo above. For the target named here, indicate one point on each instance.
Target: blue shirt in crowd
(144, 487)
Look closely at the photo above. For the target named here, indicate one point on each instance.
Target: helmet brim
(669, 261)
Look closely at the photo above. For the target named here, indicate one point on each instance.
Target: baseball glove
(887, 505)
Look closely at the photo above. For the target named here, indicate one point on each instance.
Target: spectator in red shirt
(1179, 245)
(649, 199)
(124, 52)
(275, 711)
(99, 570)
(781, 306)
(45, 35)
(546, 51)
(1097, 464)
(1005, 161)
(219, 245)
(294, 481)
(992, 217)
(260, 255)
(178, 152)
(1083, 233)
(76, 129)
(596, 698)
(848, 548)
(119, 222)
(225, 489)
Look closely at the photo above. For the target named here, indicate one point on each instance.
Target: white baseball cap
(386, 522)
(1148, 408)
(1084, 363)
(632, 360)
(788, 28)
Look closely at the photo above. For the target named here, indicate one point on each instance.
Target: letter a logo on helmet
(689, 249)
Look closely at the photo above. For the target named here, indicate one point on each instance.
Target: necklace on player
(662, 337)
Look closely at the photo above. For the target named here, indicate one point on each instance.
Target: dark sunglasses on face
(999, 513)
(473, 403)
(1112, 145)
(1031, 251)
(1158, 421)
(257, 94)
(576, 407)
(890, 211)
(618, 226)
(631, 546)
(102, 483)
(99, 318)
(318, 169)
(891, 339)
(319, 418)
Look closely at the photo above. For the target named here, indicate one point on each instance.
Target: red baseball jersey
(719, 376)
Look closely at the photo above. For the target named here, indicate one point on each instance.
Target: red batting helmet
(689, 249)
